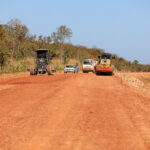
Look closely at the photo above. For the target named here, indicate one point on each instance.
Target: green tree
(63, 33)
(17, 34)
(66, 56)
(3, 48)
(135, 62)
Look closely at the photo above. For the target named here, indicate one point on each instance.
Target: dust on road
(73, 112)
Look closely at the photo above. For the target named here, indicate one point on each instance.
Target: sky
(121, 27)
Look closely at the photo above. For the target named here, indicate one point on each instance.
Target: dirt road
(72, 112)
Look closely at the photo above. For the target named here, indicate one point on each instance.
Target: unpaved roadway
(73, 112)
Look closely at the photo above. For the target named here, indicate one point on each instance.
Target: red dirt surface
(73, 112)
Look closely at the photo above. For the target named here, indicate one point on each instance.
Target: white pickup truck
(88, 65)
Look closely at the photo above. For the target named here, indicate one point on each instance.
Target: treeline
(17, 45)
(126, 66)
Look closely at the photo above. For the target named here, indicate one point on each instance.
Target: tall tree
(3, 47)
(54, 37)
(63, 33)
(18, 34)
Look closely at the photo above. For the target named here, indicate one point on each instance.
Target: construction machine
(104, 65)
(42, 63)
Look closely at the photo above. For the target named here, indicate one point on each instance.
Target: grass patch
(17, 66)
(24, 64)
(59, 65)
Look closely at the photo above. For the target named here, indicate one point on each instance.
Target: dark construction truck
(42, 63)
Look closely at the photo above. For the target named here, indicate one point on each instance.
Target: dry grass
(24, 64)
(59, 65)
(17, 66)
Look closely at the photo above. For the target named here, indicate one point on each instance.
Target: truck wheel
(97, 73)
(111, 74)
(50, 70)
(32, 71)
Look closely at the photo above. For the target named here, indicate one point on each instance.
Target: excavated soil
(72, 112)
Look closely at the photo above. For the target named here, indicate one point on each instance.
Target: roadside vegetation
(17, 47)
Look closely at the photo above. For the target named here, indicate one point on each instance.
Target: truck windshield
(87, 62)
(105, 57)
(69, 66)
(41, 54)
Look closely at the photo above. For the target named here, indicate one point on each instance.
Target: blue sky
(118, 26)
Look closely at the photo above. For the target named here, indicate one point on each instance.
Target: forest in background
(17, 48)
